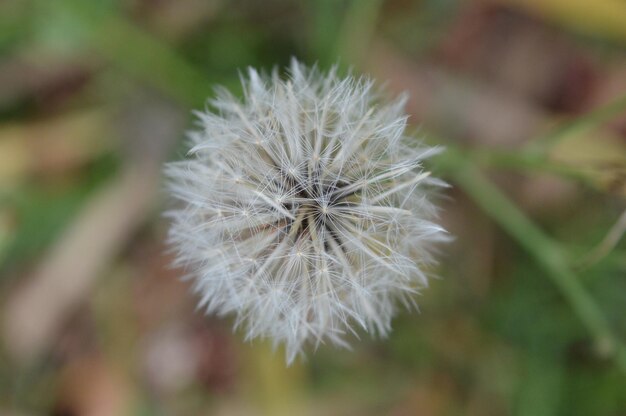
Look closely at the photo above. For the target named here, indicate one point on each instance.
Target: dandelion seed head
(304, 209)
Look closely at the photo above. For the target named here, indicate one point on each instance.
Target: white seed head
(304, 208)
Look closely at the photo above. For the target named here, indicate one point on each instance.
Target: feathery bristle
(304, 208)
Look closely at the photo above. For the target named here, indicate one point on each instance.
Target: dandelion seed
(304, 208)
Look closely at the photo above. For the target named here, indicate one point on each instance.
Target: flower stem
(542, 248)
(541, 145)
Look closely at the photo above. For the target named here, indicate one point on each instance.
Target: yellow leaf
(605, 18)
(601, 156)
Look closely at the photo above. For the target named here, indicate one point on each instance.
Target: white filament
(304, 208)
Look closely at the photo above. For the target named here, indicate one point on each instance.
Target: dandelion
(304, 208)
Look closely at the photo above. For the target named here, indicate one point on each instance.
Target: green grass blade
(580, 125)
(542, 248)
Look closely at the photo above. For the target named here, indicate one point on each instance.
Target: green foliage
(547, 335)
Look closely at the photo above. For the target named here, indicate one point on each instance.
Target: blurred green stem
(583, 124)
(542, 248)
(525, 161)
(535, 155)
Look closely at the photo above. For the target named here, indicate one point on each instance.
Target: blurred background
(529, 97)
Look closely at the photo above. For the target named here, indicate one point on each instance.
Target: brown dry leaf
(91, 386)
(66, 275)
(479, 113)
(612, 87)
(158, 295)
(38, 309)
(32, 74)
(494, 44)
(491, 117)
(51, 146)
